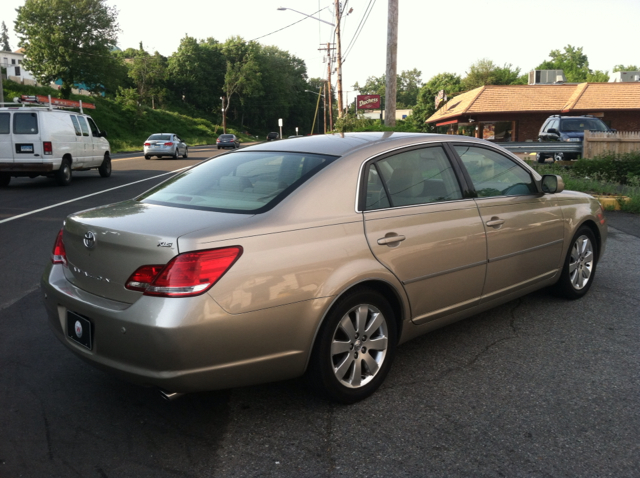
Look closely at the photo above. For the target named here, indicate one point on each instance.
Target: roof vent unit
(546, 77)
(624, 76)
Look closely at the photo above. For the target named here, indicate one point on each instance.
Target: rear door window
(83, 126)
(4, 123)
(25, 123)
(76, 125)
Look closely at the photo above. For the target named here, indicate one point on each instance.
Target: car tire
(147, 156)
(558, 157)
(540, 158)
(579, 267)
(218, 147)
(5, 179)
(105, 167)
(63, 175)
(354, 348)
(186, 153)
(175, 153)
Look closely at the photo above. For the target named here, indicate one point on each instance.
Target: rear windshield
(578, 125)
(241, 182)
(226, 136)
(160, 137)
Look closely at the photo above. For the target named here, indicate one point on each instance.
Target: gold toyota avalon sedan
(313, 256)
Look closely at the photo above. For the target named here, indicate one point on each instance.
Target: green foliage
(409, 83)
(575, 64)
(618, 168)
(4, 38)
(351, 123)
(485, 72)
(425, 107)
(68, 40)
(625, 68)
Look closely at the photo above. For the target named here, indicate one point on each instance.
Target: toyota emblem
(89, 240)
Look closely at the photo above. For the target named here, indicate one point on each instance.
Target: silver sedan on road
(316, 256)
(165, 144)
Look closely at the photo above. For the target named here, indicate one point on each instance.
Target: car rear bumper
(183, 345)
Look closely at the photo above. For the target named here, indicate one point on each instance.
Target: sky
(434, 37)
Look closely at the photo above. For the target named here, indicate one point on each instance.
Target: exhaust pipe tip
(170, 396)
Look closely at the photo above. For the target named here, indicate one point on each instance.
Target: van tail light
(59, 255)
(168, 144)
(47, 147)
(186, 275)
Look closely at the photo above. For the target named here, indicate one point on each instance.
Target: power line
(359, 29)
(284, 28)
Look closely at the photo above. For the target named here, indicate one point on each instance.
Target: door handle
(495, 222)
(388, 240)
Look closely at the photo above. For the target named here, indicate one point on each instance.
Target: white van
(49, 141)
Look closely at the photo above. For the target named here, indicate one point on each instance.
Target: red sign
(56, 102)
(368, 102)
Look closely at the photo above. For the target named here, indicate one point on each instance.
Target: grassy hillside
(128, 128)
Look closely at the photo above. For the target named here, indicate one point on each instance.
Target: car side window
(419, 176)
(493, 174)
(25, 123)
(76, 125)
(94, 129)
(83, 126)
(4, 123)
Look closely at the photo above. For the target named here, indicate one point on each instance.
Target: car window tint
(247, 182)
(83, 126)
(160, 137)
(4, 123)
(94, 129)
(418, 177)
(578, 125)
(493, 174)
(376, 195)
(25, 123)
(76, 125)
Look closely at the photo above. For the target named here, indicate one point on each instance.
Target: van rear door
(27, 140)
(6, 144)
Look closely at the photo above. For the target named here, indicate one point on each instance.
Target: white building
(12, 61)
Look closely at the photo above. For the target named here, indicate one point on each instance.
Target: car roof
(346, 143)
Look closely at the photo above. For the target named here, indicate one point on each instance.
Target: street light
(315, 18)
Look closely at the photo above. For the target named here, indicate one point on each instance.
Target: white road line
(88, 196)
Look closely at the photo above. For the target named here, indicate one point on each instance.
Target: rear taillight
(147, 144)
(168, 144)
(59, 255)
(47, 147)
(186, 275)
(218, 140)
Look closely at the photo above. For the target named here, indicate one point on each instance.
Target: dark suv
(569, 129)
(272, 136)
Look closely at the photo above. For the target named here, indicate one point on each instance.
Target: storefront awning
(447, 122)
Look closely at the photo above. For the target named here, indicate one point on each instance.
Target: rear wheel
(147, 156)
(541, 158)
(354, 348)
(579, 266)
(105, 167)
(63, 175)
(558, 157)
(5, 179)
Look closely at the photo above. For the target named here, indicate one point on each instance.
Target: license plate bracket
(80, 329)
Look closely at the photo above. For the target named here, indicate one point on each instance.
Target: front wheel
(63, 175)
(540, 158)
(186, 153)
(354, 349)
(579, 266)
(5, 179)
(558, 157)
(105, 167)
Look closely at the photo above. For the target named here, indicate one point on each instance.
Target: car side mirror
(103, 134)
(552, 183)
(553, 131)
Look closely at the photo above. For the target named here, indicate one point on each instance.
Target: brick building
(515, 112)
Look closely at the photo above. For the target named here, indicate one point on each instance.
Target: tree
(4, 38)
(625, 68)
(575, 64)
(148, 72)
(68, 40)
(425, 107)
(243, 75)
(485, 72)
(408, 87)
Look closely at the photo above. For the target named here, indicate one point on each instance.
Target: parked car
(37, 140)
(569, 129)
(228, 141)
(165, 144)
(314, 256)
(272, 136)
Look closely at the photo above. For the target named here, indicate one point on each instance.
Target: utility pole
(339, 58)
(392, 62)
(328, 93)
(224, 116)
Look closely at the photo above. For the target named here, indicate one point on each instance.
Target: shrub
(618, 168)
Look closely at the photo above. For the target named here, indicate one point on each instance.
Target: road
(539, 387)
